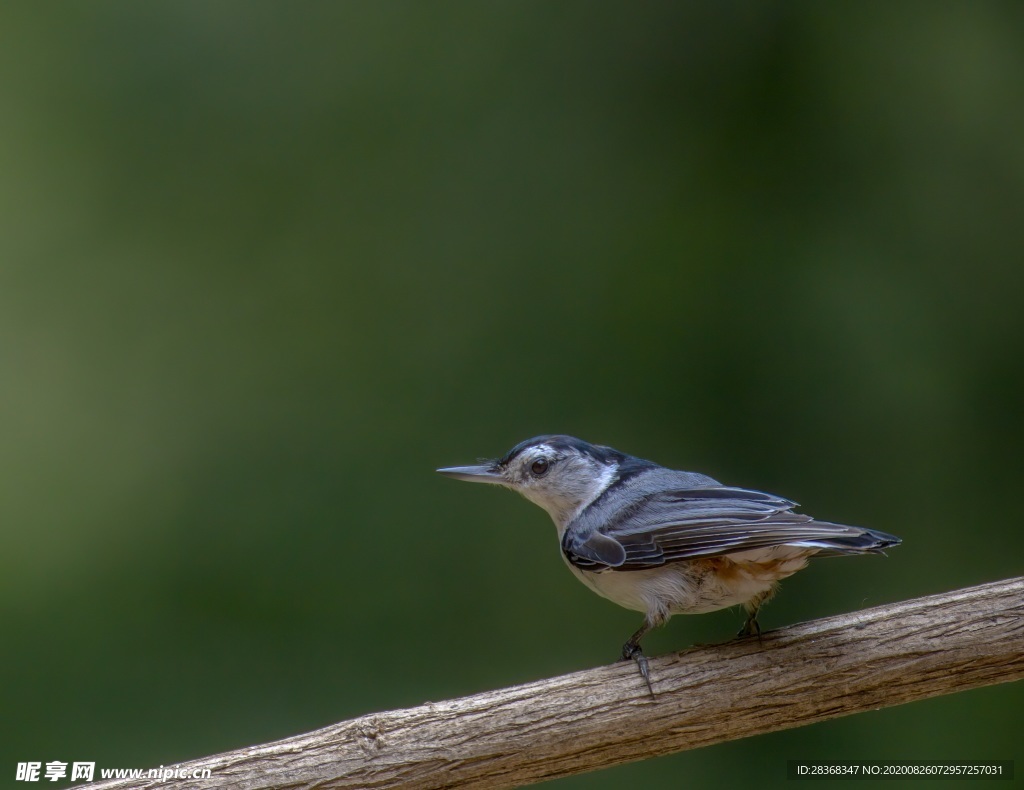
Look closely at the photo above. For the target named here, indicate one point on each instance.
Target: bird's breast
(697, 586)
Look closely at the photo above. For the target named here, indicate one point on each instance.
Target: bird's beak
(473, 474)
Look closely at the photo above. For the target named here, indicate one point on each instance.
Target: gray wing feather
(706, 521)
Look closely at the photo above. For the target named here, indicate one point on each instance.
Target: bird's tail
(863, 541)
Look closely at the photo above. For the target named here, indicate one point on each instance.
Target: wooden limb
(888, 655)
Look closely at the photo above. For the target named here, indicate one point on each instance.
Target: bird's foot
(750, 628)
(632, 652)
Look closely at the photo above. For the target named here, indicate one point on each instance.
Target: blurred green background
(265, 266)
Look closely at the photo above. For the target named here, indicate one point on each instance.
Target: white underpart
(681, 587)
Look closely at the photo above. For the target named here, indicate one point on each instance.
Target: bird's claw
(632, 652)
(750, 628)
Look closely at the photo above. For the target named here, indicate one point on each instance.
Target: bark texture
(888, 655)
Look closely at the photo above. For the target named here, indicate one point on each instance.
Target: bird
(662, 541)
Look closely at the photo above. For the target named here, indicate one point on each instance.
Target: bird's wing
(707, 521)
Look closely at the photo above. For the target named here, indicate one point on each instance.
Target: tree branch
(888, 655)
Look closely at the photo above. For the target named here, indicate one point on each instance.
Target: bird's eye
(540, 467)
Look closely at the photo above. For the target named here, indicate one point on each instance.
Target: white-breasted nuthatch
(661, 541)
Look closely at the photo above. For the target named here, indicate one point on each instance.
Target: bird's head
(561, 474)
